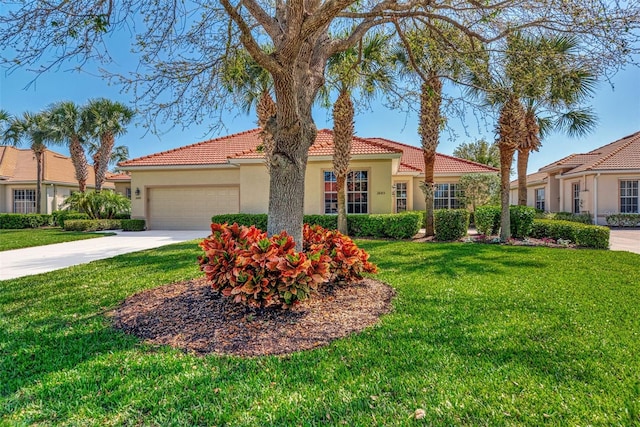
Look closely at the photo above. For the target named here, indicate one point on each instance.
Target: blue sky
(617, 107)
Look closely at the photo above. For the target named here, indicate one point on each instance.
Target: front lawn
(480, 335)
(26, 238)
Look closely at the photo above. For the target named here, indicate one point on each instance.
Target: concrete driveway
(625, 240)
(42, 259)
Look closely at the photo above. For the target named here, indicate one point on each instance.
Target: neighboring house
(18, 180)
(600, 182)
(121, 182)
(184, 187)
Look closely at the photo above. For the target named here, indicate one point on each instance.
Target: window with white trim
(357, 192)
(540, 205)
(629, 196)
(24, 201)
(447, 196)
(401, 197)
(575, 191)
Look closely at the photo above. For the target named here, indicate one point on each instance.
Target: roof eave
(179, 167)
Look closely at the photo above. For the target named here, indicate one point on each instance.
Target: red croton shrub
(243, 263)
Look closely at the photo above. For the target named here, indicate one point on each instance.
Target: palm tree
(558, 89)
(36, 129)
(365, 68)
(104, 120)
(244, 77)
(67, 126)
(434, 53)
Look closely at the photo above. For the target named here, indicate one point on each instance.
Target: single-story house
(18, 180)
(121, 183)
(182, 188)
(601, 182)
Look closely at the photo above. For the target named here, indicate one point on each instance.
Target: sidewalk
(42, 259)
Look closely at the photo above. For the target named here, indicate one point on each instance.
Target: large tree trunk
(293, 134)
(266, 110)
(79, 160)
(430, 121)
(343, 113)
(523, 160)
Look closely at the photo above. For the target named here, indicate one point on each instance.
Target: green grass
(17, 239)
(480, 335)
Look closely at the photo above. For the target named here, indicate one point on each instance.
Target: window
(540, 199)
(575, 189)
(447, 196)
(24, 201)
(629, 197)
(357, 192)
(401, 197)
(330, 193)
(127, 192)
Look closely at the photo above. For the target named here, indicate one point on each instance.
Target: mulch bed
(191, 316)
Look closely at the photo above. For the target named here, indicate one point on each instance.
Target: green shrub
(133, 224)
(243, 263)
(91, 224)
(487, 219)
(623, 220)
(330, 222)
(20, 221)
(521, 220)
(99, 205)
(593, 236)
(450, 224)
(395, 226)
(59, 217)
(583, 218)
(590, 236)
(257, 220)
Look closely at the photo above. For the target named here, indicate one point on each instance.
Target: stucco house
(18, 180)
(600, 182)
(182, 188)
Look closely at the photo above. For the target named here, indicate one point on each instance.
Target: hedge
(59, 217)
(18, 221)
(583, 218)
(133, 224)
(450, 224)
(590, 236)
(91, 224)
(395, 226)
(521, 218)
(623, 220)
(487, 219)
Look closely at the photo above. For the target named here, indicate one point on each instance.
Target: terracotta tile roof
(618, 155)
(413, 160)
(19, 165)
(244, 146)
(323, 146)
(210, 152)
(120, 177)
(534, 178)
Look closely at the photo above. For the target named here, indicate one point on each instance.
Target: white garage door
(190, 208)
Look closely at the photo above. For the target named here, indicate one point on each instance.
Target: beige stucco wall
(52, 196)
(144, 180)
(121, 187)
(254, 188)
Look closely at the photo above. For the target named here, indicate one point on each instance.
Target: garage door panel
(190, 208)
